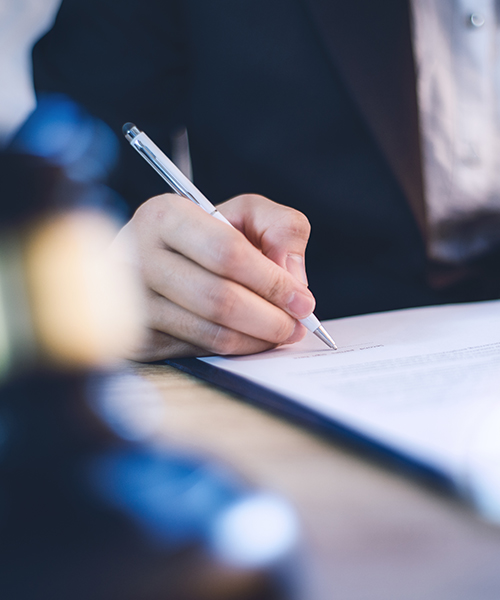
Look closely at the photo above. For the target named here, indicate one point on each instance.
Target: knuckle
(257, 199)
(155, 209)
(228, 254)
(220, 340)
(279, 288)
(282, 330)
(151, 209)
(221, 300)
(296, 222)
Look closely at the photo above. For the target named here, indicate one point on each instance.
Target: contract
(424, 383)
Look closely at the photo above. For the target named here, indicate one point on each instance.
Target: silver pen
(184, 187)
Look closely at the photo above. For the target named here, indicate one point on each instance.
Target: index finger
(224, 250)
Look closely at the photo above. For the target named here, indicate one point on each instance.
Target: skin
(211, 289)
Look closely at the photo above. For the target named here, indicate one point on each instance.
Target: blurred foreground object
(87, 514)
(63, 299)
(91, 504)
(84, 306)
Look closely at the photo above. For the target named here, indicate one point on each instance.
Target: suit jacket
(309, 102)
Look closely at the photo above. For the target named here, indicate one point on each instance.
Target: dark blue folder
(342, 433)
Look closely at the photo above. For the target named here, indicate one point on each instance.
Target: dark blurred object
(59, 160)
(91, 505)
(79, 146)
(86, 514)
(29, 186)
(61, 299)
(66, 135)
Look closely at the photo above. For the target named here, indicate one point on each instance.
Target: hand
(212, 289)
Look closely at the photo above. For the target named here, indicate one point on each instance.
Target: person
(314, 104)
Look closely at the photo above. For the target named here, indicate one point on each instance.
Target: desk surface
(370, 533)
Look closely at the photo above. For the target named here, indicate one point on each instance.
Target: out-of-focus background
(121, 481)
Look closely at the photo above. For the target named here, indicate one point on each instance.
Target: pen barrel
(170, 172)
(184, 187)
(311, 322)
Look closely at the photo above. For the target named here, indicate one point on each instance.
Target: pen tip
(325, 337)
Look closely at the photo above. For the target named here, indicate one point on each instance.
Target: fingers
(157, 345)
(207, 289)
(216, 299)
(280, 232)
(208, 335)
(224, 251)
(190, 335)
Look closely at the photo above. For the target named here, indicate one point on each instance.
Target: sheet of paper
(424, 381)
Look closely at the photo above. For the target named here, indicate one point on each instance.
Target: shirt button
(475, 20)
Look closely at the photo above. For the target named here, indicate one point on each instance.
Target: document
(423, 382)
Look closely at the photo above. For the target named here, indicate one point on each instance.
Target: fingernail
(300, 305)
(297, 334)
(295, 266)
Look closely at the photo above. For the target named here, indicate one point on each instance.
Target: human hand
(213, 289)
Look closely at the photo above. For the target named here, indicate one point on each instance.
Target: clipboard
(417, 388)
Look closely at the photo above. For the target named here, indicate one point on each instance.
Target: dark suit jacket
(309, 102)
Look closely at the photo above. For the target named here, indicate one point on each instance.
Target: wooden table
(369, 533)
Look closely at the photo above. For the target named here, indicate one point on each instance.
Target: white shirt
(457, 59)
(22, 23)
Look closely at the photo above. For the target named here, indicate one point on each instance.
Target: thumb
(280, 232)
(295, 265)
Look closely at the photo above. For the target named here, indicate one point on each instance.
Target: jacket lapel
(369, 41)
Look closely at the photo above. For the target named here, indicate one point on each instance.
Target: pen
(184, 187)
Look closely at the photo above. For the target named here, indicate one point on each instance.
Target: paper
(422, 381)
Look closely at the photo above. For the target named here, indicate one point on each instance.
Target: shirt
(22, 23)
(457, 62)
